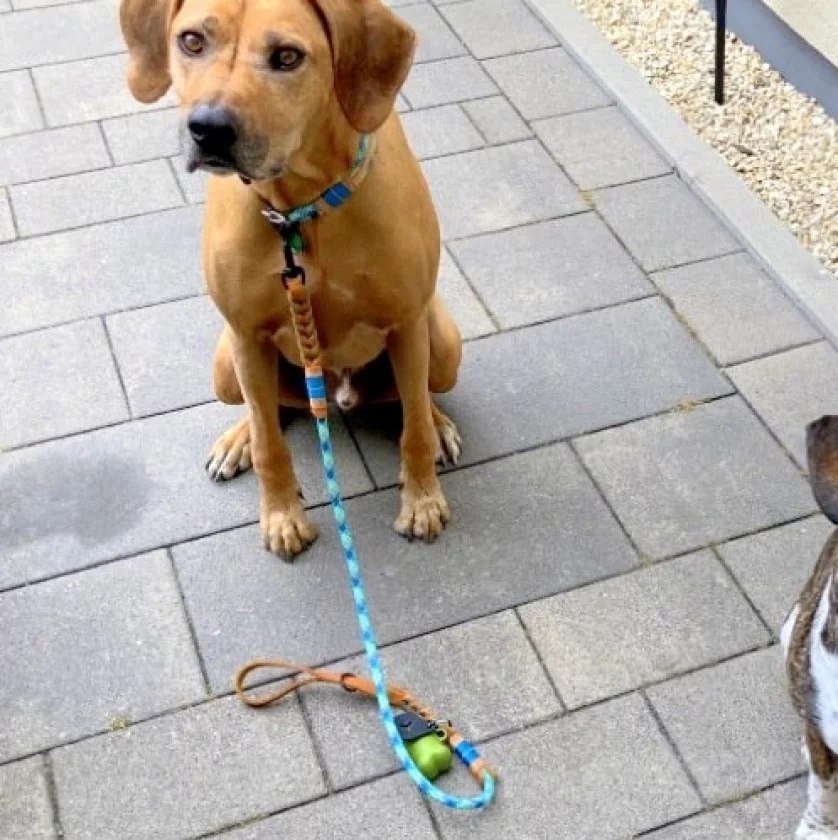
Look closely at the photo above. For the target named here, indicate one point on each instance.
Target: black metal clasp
(290, 234)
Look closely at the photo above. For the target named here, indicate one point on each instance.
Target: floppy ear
(822, 448)
(372, 51)
(145, 29)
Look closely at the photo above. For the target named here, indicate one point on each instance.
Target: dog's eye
(285, 58)
(191, 43)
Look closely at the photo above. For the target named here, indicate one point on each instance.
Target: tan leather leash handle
(302, 675)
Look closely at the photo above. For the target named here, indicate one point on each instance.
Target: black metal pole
(721, 27)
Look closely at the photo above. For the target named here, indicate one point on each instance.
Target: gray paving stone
(7, 224)
(36, 4)
(58, 381)
(25, 809)
(497, 120)
(100, 269)
(91, 197)
(194, 184)
(436, 40)
(62, 33)
(440, 131)
(600, 148)
(497, 27)
(388, 808)
(441, 82)
(165, 353)
(690, 478)
(401, 104)
(570, 779)
(663, 224)
(19, 110)
(545, 83)
(46, 154)
(592, 371)
(185, 774)
(491, 189)
(243, 603)
(482, 675)
(5, 6)
(735, 309)
(150, 134)
(790, 390)
(770, 815)
(462, 303)
(733, 724)
(549, 270)
(671, 618)
(773, 566)
(83, 650)
(91, 89)
(136, 486)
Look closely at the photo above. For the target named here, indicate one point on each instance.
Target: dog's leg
(424, 510)
(286, 529)
(820, 821)
(230, 454)
(225, 382)
(446, 350)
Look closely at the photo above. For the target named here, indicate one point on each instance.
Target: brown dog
(279, 92)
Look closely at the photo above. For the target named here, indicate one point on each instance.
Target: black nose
(213, 129)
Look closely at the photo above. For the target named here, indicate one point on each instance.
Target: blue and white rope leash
(294, 279)
(466, 751)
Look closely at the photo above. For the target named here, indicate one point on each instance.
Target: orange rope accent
(302, 676)
(303, 318)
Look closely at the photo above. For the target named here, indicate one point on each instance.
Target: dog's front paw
(807, 831)
(423, 515)
(286, 530)
(230, 454)
(450, 444)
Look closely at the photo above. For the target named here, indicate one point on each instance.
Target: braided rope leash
(293, 278)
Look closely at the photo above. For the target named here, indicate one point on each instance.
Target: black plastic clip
(412, 727)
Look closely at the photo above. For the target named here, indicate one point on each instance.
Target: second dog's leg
(820, 821)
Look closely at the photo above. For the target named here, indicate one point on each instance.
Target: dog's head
(822, 452)
(255, 77)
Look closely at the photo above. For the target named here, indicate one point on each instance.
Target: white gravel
(781, 142)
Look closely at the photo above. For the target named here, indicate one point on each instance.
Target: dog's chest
(343, 344)
(350, 321)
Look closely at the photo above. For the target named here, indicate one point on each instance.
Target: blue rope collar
(330, 199)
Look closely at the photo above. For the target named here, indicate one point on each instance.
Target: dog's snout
(213, 128)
